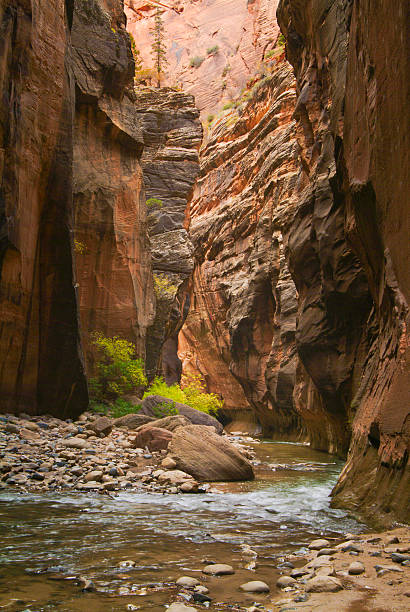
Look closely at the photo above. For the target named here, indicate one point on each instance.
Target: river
(45, 538)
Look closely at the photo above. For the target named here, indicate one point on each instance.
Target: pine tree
(158, 45)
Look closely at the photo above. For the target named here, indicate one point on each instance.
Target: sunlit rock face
(240, 331)
(348, 242)
(112, 252)
(171, 134)
(41, 369)
(226, 39)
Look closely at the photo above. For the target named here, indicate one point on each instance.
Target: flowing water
(45, 538)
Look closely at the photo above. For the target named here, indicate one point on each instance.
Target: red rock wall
(348, 242)
(240, 331)
(41, 369)
(242, 30)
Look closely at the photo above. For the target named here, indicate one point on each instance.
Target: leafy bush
(213, 50)
(79, 247)
(191, 392)
(196, 61)
(154, 203)
(117, 370)
(211, 118)
(228, 105)
(163, 287)
(226, 70)
(164, 409)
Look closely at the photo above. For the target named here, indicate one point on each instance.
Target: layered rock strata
(111, 243)
(348, 242)
(240, 331)
(213, 46)
(171, 134)
(41, 366)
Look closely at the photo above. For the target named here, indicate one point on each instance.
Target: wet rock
(190, 486)
(323, 584)
(356, 568)
(86, 584)
(218, 569)
(255, 586)
(207, 456)
(318, 544)
(285, 581)
(180, 607)
(154, 438)
(187, 581)
(200, 588)
(127, 563)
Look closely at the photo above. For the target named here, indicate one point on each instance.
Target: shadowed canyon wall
(41, 367)
(240, 331)
(112, 250)
(348, 242)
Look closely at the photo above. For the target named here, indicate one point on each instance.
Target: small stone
(95, 476)
(326, 551)
(11, 428)
(393, 540)
(318, 544)
(356, 568)
(127, 563)
(200, 588)
(320, 562)
(399, 558)
(37, 476)
(74, 443)
(285, 581)
(187, 581)
(323, 584)
(218, 569)
(350, 546)
(191, 486)
(168, 463)
(255, 586)
(180, 607)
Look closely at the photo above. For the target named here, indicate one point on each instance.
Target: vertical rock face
(41, 367)
(348, 241)
(240, 331)
(213, 46)
(111, 242)
(171, 133)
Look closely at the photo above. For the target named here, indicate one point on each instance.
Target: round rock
(180, 607)
(218, 569)
(255, 586)
(318, 544)
(187, 581)
(323, 584)
(356, 568)
(285, 581)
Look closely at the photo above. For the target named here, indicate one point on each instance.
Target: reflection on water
(285, 507)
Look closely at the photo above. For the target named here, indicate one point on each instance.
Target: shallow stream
(44, 538)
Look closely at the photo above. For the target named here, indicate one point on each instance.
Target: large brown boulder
(150, 407)
(101, 425)
(200, 452)
(133, 421)
(154, 438)
(171, 423)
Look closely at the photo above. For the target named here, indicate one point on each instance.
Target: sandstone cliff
(171, 133)
(240, 331)
(41, 368)
(112, 250)
(348, 242)
(225, 40)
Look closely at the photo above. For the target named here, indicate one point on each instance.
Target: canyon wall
(240, 331)
(112, 251)
(347, 244)
(41, 366)
(213, 46)
(171, 133)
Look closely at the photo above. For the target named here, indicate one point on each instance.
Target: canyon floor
(88, 524)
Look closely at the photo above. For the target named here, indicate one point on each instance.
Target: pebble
(187, 581)
(285, 581)
(318, 544)
(356, 568)
(180, 607)
(218, 569)
(255, 586)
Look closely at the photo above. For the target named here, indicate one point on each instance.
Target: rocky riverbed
(100, 454)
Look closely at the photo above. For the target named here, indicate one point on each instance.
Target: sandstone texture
(229, 36)
(199, 451)
(171, 134)
(112, 252)
(348, 244)
(41, 366)
(240, 331)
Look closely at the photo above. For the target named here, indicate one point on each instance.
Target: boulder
(199, 451)
(155, 438)
(356, 568)
(285, 581)
(323, 584)
(133, 421)
(196, 417)
(170, 422)
(174, 477)
(255, 586)
(102, 425)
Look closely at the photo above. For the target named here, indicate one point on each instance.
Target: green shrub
(196, 61)
(226, 70)
(228, 105)
(213, 50)
(269, 53)
(164, 409)
(163, 287)
(117, 370)
(281, 41)
(211, 118)
(79, 247)
(191, 392)
(154, 203)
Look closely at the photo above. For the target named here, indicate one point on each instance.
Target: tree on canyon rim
(158, 46)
